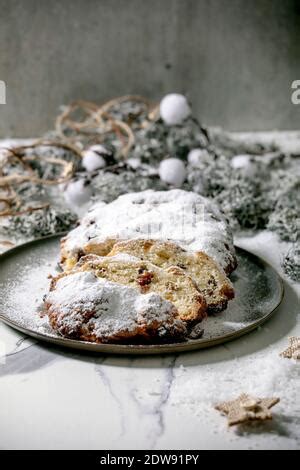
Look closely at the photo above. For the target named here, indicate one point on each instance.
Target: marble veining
(104, 376)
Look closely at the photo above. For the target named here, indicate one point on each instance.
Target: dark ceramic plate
(24, 280)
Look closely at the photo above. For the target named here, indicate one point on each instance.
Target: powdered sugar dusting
(23, 298)
(111, 309)
(187, 218)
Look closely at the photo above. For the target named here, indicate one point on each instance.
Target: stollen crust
(192, 221)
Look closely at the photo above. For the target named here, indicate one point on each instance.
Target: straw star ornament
(293, 350)
(246, 408)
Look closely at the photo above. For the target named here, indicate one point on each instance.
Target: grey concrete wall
(236, 59)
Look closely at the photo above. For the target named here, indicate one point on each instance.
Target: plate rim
(138, 349)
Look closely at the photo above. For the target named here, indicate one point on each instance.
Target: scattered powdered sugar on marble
(266, 374)
(185, 217)
(262, 374)
(112, 309)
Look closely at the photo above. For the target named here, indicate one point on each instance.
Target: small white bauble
(240, 161)
(134, 163)
(174, 109)
(245, 164)
(195, 156)
(78, 192)
(172, 171)
(92, 158)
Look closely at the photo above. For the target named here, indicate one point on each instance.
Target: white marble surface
(56, 399)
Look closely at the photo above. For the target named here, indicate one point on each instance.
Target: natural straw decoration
(11, 199)
(154, 114)
(63, 119)
(45, 143)
(99, 121)
(118, 126)
(30, 209)
(17, 178)
(123, 99)
(67, 173)
(7, 243)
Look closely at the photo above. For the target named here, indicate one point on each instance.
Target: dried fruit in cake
(208, 276)
(173, 284)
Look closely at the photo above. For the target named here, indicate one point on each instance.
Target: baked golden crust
(68, 260)
(209, 278)
(183, 217)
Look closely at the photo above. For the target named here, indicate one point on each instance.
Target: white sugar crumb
(189, 219)
(114, 309)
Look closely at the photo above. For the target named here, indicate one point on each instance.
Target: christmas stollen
(191, 221)
(172, 283)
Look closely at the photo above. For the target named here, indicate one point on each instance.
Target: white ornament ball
(174, 109)
(172, 171)
(240, 161)
(134, 163)
(245, 164)
(78, 192)
(195, 156)
(92, 158)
